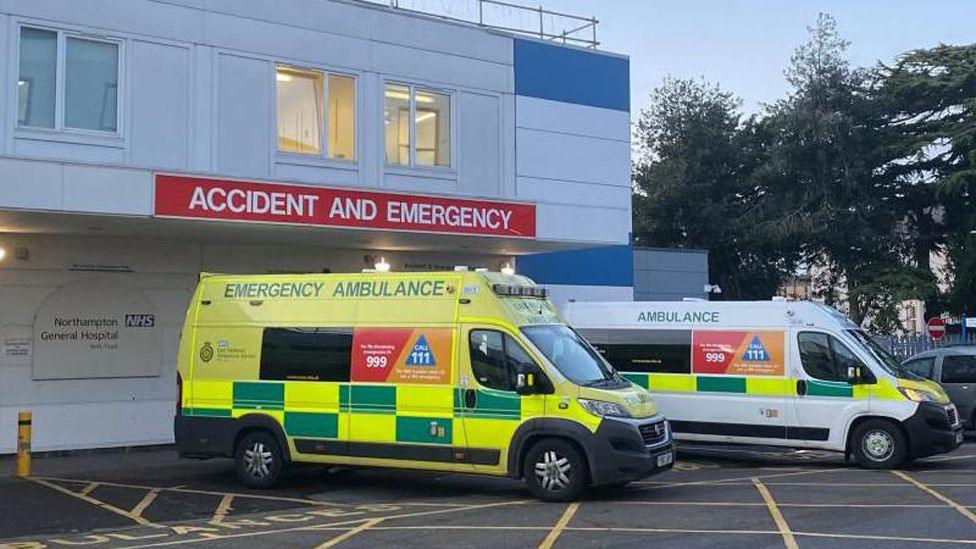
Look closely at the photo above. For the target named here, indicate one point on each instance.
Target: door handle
(470, 398)
(801, 387)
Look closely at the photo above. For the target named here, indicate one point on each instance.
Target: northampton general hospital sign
(230, 200)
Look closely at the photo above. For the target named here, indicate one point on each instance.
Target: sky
(745, 45)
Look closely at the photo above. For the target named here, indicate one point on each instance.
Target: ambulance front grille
(653, 433)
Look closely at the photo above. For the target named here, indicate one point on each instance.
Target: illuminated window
(87, 78)
(302, 116)
(396, 119)
(427, 140)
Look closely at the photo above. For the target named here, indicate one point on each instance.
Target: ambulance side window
(489, 364)
(644, 351)
(496, 360)
(824, 357)
(306, 354)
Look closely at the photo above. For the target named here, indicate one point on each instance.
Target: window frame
(413, 88)
(932, 369)
(322, 157)
(833, 338)
(942, 370)
(62, 36)
(507, 338)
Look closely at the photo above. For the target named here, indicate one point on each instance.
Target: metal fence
(494, 14)
(906, 346)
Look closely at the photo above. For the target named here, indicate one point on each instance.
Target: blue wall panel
(571, 75)
(605, 266)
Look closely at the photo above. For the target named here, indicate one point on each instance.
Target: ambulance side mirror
(525, 383)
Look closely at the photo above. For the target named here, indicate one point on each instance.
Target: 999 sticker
(401, 355)
(738, 353)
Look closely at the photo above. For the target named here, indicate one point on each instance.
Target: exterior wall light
(3, 253)
(508, 269)
(382, 266)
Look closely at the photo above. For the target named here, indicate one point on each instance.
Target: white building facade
(146, 141)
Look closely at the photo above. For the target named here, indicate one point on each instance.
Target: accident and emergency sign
(231, 200)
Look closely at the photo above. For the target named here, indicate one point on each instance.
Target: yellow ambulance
(468, 372)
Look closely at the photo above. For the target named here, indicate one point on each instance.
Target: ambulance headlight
(917, 395)
(603, 409)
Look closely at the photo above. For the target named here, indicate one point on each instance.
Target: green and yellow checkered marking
(759, 385)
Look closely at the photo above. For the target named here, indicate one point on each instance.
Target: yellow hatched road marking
(97, 503)
(329, 526)
(560, 525)
(343, 537)
(89, 488)
(655, 485)
(963, 510)
(223, 508)
(784, 528)
(145, 502)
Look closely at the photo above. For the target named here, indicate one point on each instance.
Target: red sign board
(230, 200)
(936, 327)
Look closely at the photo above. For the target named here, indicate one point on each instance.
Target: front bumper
(618, 452)
(930, 431)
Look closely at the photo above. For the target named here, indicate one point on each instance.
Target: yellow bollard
(23, 468)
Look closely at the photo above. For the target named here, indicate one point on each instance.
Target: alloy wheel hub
(553, 471)
(258, 460)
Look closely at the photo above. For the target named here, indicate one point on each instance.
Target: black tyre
(879, 444)
(258, 460)
(555, 470)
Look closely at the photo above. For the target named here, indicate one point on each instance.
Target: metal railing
(906, 346)
(504, 16)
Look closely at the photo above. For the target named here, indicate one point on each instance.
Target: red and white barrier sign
(220, 199)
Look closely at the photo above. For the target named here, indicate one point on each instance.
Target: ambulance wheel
(555, 470)
(258, 460)
(879, 444)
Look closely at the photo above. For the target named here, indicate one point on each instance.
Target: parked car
(953, 367)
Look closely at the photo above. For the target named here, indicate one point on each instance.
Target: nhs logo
(140, 321)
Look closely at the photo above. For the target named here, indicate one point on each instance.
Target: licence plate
(958, 441)
(665, 459)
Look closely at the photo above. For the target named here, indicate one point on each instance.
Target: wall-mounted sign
(95, 328)
(220, 199)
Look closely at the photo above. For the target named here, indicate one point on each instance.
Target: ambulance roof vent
(460, 268)
(481, 270)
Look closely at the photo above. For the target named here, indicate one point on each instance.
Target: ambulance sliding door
(741, 386)
(401, 401)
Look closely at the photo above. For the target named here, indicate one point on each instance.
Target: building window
(305, 125)
(417, 126)
(81, 92)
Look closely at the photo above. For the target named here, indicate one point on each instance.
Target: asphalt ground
(714, 497)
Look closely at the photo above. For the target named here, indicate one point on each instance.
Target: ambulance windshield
(574, 358)
(885, 358)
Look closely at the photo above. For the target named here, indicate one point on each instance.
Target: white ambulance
(784, 373)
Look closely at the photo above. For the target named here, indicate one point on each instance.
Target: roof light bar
(518, 290)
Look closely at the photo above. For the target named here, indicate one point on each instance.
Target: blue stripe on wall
(571, 75)
(606, 266)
